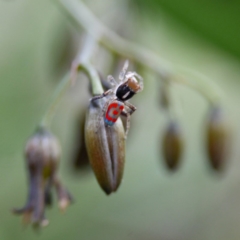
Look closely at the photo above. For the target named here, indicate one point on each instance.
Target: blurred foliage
(216, 21)
(151, 204)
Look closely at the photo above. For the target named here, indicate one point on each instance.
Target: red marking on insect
(114, 110)
(114, 105)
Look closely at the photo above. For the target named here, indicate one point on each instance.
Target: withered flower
(217, 138)
(42, 155)
(105, 147)
(172, 145)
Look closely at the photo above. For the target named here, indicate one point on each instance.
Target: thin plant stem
(83, 17)
(93, 77)
(80, 64)
(56, 98)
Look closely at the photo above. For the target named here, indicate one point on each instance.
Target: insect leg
(131, 107)
(124, 70)
(127, 112)
(102, 95)
(112, 81)
(127, 115)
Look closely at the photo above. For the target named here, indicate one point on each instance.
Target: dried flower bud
(217, 138)
(172, 146)
(105, 147)
(80, 156)
(42, 158)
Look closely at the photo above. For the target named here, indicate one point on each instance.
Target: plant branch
(81, 63)
(83, 17)
(56, 98)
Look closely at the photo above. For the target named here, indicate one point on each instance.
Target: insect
(130, 83)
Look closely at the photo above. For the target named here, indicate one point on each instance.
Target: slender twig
(81, 63)
(83, 17)
(56, 98)
(93, 77)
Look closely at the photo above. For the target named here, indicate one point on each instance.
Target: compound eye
(133, 84)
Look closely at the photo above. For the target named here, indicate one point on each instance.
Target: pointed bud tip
(44, 223)
(63, 204)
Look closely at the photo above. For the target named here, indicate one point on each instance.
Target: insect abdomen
(124, 92)
(113, 112)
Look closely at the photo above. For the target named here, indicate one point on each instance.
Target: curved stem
(83, 17)
(81, 63)
(93, 76)
(200, 85)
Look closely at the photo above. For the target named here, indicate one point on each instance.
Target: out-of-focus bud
(217, 138)
(105, 147)
(172, 146)
(80, 156)
(164, 95)
(42, 158)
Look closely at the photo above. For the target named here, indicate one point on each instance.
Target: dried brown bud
(42, 159)
(172, 146)
(105, 147)
(43, 150)
(80, 156)
(217, 138)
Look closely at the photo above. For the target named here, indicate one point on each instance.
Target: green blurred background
(37, 44)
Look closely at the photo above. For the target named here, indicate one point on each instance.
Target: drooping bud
(105, 147)
(80, 156)
(172, 146)
(42, 155)
(217, 138)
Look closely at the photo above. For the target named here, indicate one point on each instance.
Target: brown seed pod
(217, 138)
(172, 146)
(42, 155)
(105, 147)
